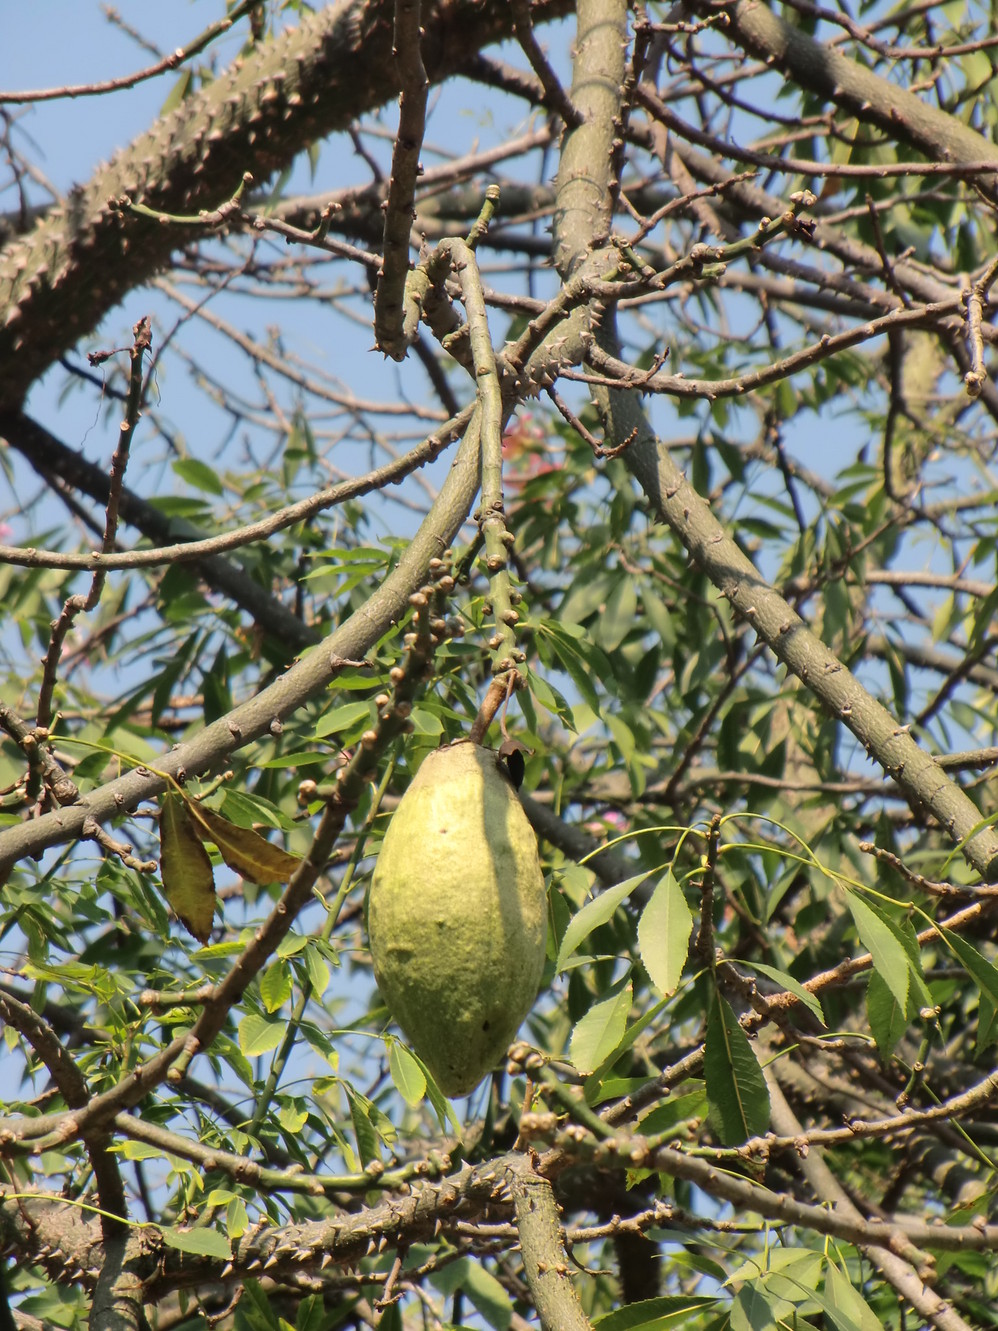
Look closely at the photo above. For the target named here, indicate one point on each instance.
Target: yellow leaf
(245, 852)
(186, 869)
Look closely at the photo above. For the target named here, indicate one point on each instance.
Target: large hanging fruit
(457, 915)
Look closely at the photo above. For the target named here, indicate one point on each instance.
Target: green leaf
(600, 1031)
(595, 1086)
(255, 1307)
(736, 1088)
(844, 1305)
(787, 982)
(890, 958)
(247, 809)
(754, 1310)
(888, 1020)
(664, 931)
(488, 1296)
(201, 1242)
(441, 1105)
(617, 617)
(550, 699)
(987, 1023)
(257, 1035)
(275, 985)
(919, 995)
(481, 1287)
(236, 1218)
(789, 1274)
(139, 1151)
(341, 718)
(292, 1118)
(624, 738)
(312, 1315)
(368, 1144)
(300, 758)
(572, 660)
(654, 1314)
(198, 474)
(984, 974)
(677, 1109)
(318, 970)
(181, 89)
(219, 1197)
(425, 722)
(231, 947)
(594, 913)
(391, 1318)
(406, 1074)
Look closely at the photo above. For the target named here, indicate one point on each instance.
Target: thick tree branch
(79, 261)
(583, 208)
(924, 784)
(195, 551)
(909, 1271)
(73, 1088)
(50, 457)
(305, 679)
(119, 1293)
(389, 333)
(817, 67)
(545, 1261)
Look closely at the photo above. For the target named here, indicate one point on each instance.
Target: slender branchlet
(207, 217)
(705, 938)
(79, 603)
(975, 297)
(394, 330)
(426, 298)
(43, 769)
(429, 627)
(506, 656)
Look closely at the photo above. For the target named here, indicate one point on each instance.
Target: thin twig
(413, 83)
(78, 603)
(171, 61)
(188, 551)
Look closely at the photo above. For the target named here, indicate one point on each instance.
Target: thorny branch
(698, 230)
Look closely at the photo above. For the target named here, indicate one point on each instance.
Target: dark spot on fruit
(511, 761)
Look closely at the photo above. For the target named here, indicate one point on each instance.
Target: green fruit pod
(457, 915)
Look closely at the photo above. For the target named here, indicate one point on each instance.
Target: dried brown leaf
(245, 852)
(185, 867)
